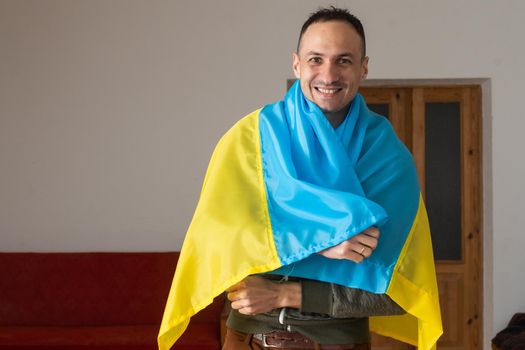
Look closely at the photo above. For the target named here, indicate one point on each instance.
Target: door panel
(442, 128)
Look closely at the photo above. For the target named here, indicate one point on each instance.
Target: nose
(330, 73)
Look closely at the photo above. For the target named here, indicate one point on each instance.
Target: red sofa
(93, 300)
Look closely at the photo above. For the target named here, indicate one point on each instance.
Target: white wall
(109, 111)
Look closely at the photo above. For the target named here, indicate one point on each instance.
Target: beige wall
(109, 111)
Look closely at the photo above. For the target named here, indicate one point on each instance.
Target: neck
(336, 118)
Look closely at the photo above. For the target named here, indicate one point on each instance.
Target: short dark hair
(333, 13)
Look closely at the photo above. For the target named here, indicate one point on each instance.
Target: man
(290, 212)
(330, 63)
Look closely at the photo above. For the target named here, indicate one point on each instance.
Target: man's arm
(343, 302)
(256, 295)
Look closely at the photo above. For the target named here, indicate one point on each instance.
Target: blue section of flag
(325, 185)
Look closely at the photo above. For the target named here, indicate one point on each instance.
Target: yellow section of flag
(230, 235)
(413, 287)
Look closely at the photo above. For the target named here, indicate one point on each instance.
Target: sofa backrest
(77, 289)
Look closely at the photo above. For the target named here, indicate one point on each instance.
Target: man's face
(330, 65)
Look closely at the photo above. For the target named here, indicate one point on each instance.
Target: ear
(296, 65)
(364, 68)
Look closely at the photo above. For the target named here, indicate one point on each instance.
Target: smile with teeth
(328, 91)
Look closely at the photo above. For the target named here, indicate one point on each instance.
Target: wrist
(290, 295)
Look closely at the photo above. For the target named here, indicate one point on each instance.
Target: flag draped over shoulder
(282, 185)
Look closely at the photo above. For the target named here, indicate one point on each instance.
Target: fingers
(348, 249)
(240, 285)
(239, 304)
(357, 248)
(244, 307)
(364, 241)
(372, 231)
(238, 291)
(236, 295)
(354, 256)
(254, 295)
(364, 251)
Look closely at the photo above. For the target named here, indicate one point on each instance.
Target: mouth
(325, 91)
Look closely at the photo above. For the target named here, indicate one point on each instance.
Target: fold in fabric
(282, 185)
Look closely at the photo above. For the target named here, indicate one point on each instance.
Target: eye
(315, 59)
(345, 60)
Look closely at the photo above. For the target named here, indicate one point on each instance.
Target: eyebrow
(313, 53)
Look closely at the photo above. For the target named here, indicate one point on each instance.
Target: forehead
(330, 37)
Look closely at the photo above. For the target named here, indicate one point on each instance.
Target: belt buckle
(265, 343)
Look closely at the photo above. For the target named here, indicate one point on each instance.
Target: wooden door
(442, 128)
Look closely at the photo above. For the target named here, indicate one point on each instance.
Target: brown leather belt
(295, 340)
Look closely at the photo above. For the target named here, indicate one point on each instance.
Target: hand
(255, 295)
(356, 248)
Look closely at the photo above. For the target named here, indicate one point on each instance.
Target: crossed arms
(255, 294)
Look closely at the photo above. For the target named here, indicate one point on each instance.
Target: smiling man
(330, 63)
(311, 217)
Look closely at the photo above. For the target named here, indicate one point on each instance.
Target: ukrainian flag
(282, 185)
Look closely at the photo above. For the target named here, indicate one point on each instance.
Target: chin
(330, 109)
